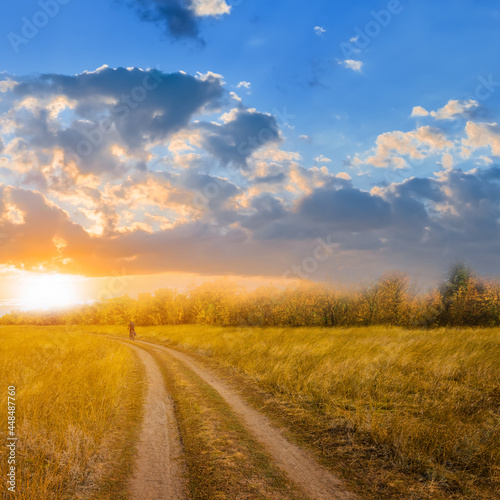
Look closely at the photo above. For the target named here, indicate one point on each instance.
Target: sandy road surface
(159, 468)
(316, 482)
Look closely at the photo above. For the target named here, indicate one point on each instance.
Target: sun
(48, 291)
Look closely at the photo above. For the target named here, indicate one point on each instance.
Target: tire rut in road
(317, 482)
(159, 468)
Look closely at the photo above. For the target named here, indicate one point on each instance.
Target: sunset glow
(48, 291)
(332, 144)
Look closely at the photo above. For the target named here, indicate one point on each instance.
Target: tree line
(462, 299)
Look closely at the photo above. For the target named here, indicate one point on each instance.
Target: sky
(148, 143)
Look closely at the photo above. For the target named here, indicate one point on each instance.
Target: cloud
(203, 8)
(319, 30)
(419, 111)
(452, 110)
(416, 222)
(179, 18)
(483, 135)
(346, 209)
(155, 195)
(235, 96)
(322, 159)
(244, 84)
(392, 147)
(352, 64)
(343, 175)
(31, 239)
(243, 133)
(266, 210)
(271, 179)
(110, 110)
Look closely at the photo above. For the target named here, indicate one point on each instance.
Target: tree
(453, 289)
(457, 280)
(394, 299)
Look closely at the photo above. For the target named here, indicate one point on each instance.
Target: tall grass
(429, 401)
(73, 392)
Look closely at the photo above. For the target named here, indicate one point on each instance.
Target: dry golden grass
(421, 404)
(77, 405)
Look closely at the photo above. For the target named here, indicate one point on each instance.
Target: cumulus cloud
(452, 110)
(483, 135)
(155, 194)
(242, 134)
(319, 30)
(392, 147)
(432, 218)
(116, 114)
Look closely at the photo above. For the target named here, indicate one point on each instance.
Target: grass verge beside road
(78, 409)
(399, 413)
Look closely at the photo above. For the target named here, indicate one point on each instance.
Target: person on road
(131, 330)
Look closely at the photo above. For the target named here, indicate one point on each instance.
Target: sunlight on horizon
(29, 290)
(48, 291)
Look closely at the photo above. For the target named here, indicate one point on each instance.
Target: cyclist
(131, 329)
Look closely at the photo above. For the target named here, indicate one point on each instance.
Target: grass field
(397, 413)
(402, 414)
(78, 402)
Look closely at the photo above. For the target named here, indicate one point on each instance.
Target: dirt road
(159, 468)
(316, 482)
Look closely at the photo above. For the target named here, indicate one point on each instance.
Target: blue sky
(372, 108)
(428, 54)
